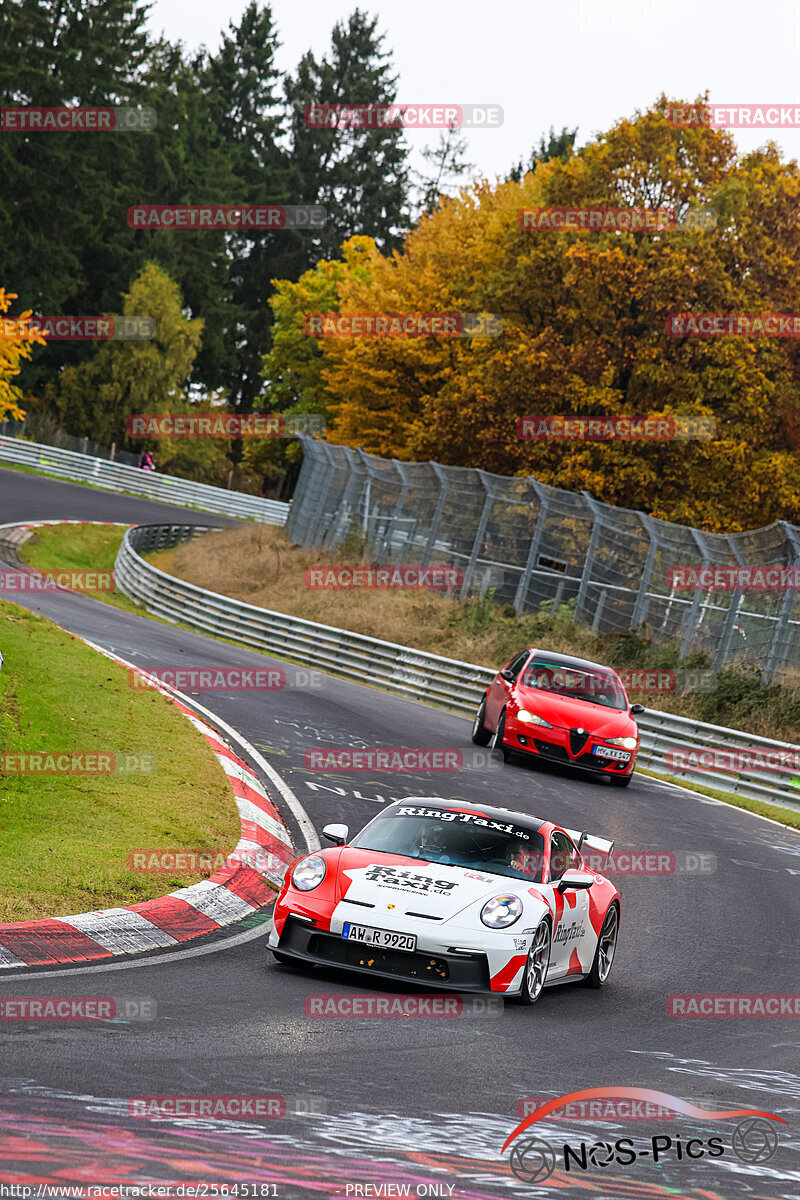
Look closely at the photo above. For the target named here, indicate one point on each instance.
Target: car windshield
(596, 687)
(458, 839)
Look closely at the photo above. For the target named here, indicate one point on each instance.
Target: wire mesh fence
(541, 548)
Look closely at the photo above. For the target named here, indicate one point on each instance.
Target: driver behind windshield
(431, 842)
(523, 860)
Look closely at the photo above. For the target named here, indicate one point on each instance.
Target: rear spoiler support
(589, 841)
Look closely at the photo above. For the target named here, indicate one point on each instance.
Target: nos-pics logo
(532, 1160)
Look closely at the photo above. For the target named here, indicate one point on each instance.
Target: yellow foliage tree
(16, 344)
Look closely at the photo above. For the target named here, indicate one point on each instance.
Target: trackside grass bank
(77, 548)
(150, 781)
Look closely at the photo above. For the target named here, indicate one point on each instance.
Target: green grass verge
(786, 816)
(77, 548)
(88, 547)
(65, 839)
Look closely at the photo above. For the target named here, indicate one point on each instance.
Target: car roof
(568, 660)
(509, 815)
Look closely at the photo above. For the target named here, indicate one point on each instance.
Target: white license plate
(611, 752)
(386, 939)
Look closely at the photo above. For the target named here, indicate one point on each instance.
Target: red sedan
(561, 709)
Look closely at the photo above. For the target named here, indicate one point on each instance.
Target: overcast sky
(577, 63)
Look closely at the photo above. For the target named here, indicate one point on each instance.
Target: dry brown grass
(256, 564)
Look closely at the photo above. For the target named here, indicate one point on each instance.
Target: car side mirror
(638, 708)
(506, 674)
(581, 881)
(336, 834)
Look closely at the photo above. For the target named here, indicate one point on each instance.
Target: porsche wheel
(497, 737)
(536, 966)
(606, 948)
(481, 736)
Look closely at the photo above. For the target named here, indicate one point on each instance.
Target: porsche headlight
(629, 743)
(501, 911)
(309, 873)
(529, 718)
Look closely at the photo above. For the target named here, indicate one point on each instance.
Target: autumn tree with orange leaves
(584, 329)
(17, 340)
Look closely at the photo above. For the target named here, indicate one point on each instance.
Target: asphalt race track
(426, 1102)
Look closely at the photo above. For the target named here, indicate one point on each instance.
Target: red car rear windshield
(597, 687)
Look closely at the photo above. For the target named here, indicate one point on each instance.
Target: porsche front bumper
(455, 972)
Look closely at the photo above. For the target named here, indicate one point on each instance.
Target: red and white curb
(237, 890)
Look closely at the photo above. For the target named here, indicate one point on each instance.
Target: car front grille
(390, 962)
(577, 740)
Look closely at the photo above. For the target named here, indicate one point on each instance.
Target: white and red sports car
(446, 895)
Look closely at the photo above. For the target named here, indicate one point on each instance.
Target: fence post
(521, 595)
(334, 533)
(301, 509)
(784, 616)
(437, 516)
(480, 533)
(315, 534)
(640, 604)
(730, 617)
(386, 546)
(367, 493)
(588, 563)
(691, 616)
(598, 612)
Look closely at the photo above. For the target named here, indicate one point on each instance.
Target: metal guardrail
(116, 477)
(446, 682)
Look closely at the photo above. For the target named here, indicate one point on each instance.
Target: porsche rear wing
(588, 842)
